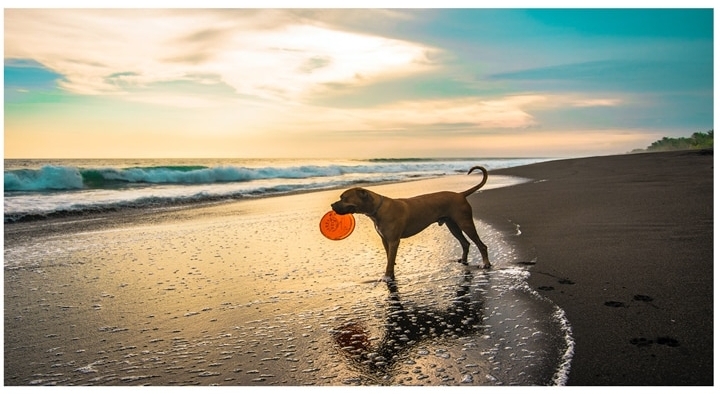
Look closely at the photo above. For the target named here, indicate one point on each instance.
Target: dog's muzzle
(342, 209)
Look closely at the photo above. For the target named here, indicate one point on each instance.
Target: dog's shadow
(408, 326)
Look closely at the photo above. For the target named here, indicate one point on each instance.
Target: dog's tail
(476, 188)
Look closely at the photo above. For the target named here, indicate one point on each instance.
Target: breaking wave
(37, 189)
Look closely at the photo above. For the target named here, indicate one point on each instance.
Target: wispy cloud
(621, 75)
(420, 117)
(268, 56)
(599, 102)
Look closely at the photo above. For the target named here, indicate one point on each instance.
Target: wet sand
(623, 244)
(250, 293)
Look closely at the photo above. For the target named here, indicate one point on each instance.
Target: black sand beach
(624, 244)
(250, 293)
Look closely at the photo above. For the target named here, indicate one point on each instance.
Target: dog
(404, 217)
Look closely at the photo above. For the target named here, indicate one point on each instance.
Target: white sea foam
(40, 188)
(563, 371)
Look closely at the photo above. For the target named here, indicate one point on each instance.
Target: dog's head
(355, 200)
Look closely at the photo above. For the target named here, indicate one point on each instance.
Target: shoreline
(623, 244)
(79, 187)
(90, 221)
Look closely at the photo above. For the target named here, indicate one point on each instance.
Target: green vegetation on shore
(696, 141)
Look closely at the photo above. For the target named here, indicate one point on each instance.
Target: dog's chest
(378, 231)
(377, 228)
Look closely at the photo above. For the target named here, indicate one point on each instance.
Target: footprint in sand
(641, 342)
(644, 342)
(641, 297)
(615, 304)
(637, 297)
(667, 341)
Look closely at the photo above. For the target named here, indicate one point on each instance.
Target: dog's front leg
(391, 248)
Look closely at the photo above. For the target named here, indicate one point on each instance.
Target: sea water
(45, 188)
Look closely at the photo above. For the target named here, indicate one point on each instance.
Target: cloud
(554, 101)
(622, 75)
(431, 116)
(409, 118)
(597, 103)
(270, 54)
(507, 112)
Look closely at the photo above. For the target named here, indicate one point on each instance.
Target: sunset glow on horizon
(353, 83)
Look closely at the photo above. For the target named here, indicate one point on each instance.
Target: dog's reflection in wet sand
(408, 326)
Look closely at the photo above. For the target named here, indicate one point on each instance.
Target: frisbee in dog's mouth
(336, 227)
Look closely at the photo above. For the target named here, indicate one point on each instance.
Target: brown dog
(404, 217)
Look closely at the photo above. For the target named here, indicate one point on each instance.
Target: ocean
(36, 189)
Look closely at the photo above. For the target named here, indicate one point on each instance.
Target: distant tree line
(696, 141)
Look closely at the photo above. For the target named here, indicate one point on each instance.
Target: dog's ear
(364, 195)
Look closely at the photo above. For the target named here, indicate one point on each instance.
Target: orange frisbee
(337, 227)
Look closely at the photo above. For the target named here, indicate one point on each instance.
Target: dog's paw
(387, 279)
(487, 266)
(463, 262)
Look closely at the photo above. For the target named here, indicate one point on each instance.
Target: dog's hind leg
(457, 233)
(468, 226)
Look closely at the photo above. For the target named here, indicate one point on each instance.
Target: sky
(352, 83)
